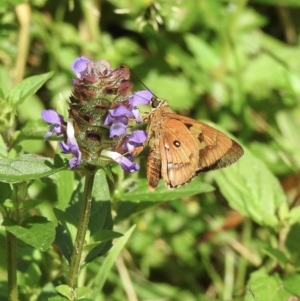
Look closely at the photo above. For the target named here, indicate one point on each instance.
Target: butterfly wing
(216, 150)
(179, 153)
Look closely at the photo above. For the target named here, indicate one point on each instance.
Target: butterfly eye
(155, 103)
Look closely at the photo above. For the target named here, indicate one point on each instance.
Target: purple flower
(117, 118)
(57, 122)
(139, 98)
(117, 129)
(79, 66)
(125, 163)
(136, 139)
(71, 146)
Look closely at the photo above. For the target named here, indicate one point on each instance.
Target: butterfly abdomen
(153, 169)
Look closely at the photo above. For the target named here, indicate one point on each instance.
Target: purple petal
(137, 116)
(120, 111)
(71, 146)
(137, 138)
(49, 133)
(109, 120)
(56, 120)
(75, 161)
(79, 66)
(64, 147)
(52, 116)
(128, 165)
(140, 98)
(117, 129)
(125, 163)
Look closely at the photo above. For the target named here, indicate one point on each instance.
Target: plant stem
(82, 226)
(19, 194)
(11, 245)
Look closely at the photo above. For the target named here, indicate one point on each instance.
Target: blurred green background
(234, 63)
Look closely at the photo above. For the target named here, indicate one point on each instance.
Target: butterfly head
(156, 102)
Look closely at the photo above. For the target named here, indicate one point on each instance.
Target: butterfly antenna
(142, 83)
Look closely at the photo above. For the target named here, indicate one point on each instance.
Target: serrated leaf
(252, 189)
(29, 167)
(36, 231)
(138, 191)
(27, 87)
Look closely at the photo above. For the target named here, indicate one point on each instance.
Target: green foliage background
(233, 63)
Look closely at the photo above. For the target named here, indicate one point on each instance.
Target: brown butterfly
(181, 147)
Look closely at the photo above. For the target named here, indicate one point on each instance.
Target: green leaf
(138, 191)
(33, 130)
(261, 286)
(294, 215)
(289, 138)
(36, 231)
(3, 148)
(291, 3)
(30, 204)
(291, 283)
(82, 292)
(125, 209)
(29, 167)
(64, 192)
(67, 221)
(100, 217)
(101, 189)
(64, 242)
(276, 255)
(58, 298)
(105, 235)
(97, 239)
(109, 261)
(65, 290)
(5, 192)
(27, 87)
(292, 239)
(173, 89)
(204, 54)
(252, 189)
